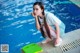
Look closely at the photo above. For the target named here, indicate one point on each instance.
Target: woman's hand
(34, 15)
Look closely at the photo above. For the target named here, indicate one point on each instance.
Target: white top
(51, 19)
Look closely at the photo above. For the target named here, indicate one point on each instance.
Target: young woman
(49, 25)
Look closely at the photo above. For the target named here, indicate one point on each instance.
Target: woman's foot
(47, 40)
(59, 43)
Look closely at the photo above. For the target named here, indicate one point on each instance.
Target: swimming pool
(17, 27)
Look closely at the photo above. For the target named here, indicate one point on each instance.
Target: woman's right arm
(37, 22)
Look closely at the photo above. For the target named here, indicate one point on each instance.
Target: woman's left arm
(57, 30)
(57, 33)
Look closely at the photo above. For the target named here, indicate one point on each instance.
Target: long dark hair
(46, 25)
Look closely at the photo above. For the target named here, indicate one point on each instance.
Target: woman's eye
(36, 9)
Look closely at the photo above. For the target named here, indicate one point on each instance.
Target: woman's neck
(41, 16)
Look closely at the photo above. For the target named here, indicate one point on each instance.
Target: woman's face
(37, 10)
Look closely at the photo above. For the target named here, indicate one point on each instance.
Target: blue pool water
(17, 26)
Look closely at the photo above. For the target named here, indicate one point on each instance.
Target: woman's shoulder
(47, 13)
